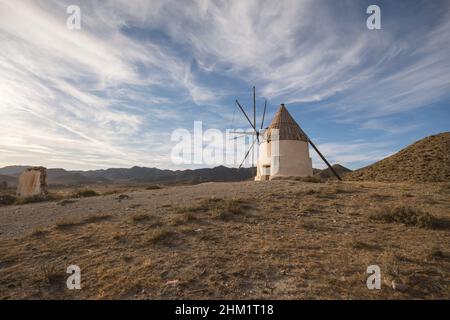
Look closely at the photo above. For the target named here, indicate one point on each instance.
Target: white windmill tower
(283, 146)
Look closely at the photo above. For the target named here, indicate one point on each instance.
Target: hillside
(427, 160)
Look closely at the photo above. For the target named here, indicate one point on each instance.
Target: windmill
(292, 145)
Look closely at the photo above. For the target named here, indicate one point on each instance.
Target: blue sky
(111, 94)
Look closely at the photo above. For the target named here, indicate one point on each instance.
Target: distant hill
(326, 174)
(13, 171)
(68, 178)
(128, 174)
(219, 173)
(427, 160)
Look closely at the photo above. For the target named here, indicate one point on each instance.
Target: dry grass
(304, 242)
(426, 160)
(408, 216)
(38, 198)
(309, 179)
(69, 223)
(218, 208)
(39, 232)
(51, 274)
(161, 236)
(140, 217)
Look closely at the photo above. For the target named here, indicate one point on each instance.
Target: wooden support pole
(325, 160)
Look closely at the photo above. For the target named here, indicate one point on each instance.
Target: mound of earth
(427, 160)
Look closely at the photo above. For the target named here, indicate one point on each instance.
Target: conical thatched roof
(289, 129)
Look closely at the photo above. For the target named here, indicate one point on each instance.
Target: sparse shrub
(379, 197)
(140, 217)
(203, 205)
(7, 199)
(189, 217)
(153, 187)
(229, 209)
(39, 232)
(161, 236)
(406, 215)
(67, 223)
(408, 195)
(220, 208)
(3, 185)
(361, 245)
(65, 202)
(127, 258)
(183, 219)
(310, 225)
(96, 218)
(309, 208)
(436, 253)
(325, 193)
(339, 189)
(310, 179)
(224, 215)
(119, 236)
(84, 193)
(50, 274)
(123, 197)
(110, 192)
(391, 264)
(38, 198)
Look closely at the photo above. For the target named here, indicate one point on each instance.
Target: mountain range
(58, 176)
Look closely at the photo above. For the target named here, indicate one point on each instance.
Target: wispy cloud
(351, 153)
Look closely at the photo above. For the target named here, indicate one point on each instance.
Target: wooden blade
(245, 114)
(235, 138)
(246, 155)
(242, 132)
(254, 113)
(254, 107)
(264, 114)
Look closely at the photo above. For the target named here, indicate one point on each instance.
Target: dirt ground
(243, 240)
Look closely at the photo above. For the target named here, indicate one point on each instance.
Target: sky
(111, 93)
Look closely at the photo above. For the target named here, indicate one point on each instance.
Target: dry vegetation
(271, 240)
(427, 160)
